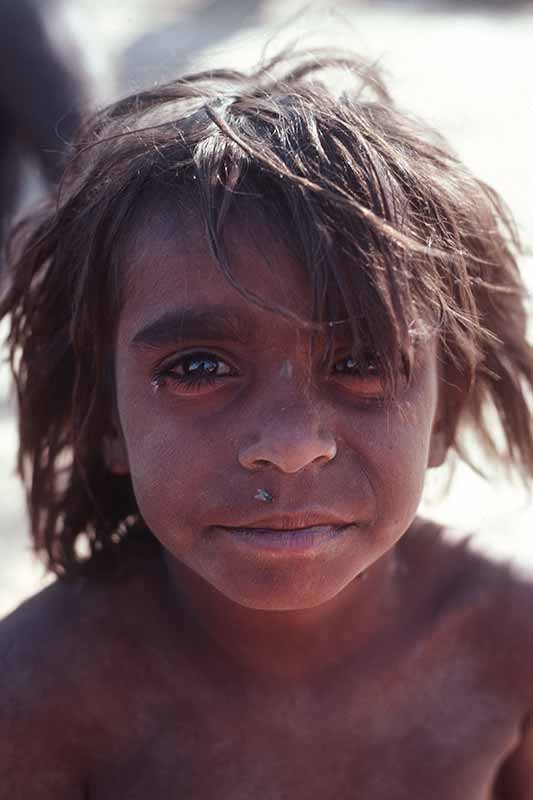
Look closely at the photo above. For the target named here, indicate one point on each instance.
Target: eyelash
(165, 373)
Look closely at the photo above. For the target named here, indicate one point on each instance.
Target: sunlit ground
(469, 74)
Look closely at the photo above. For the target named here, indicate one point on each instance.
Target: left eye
(361, 377)
(357, 369)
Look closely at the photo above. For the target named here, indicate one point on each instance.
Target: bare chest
(443, 734)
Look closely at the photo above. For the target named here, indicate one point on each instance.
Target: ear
(114, 452)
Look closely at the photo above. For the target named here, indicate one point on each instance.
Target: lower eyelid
(369, 386)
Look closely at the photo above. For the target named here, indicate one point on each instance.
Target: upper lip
(296, 520)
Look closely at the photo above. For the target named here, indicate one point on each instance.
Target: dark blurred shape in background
(41, 95)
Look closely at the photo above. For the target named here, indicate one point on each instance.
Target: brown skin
(219, 669)
(303, 433)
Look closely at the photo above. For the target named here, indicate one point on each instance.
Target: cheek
(173, 463)
(393, 448)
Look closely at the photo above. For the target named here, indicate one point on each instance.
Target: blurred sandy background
(466, 68)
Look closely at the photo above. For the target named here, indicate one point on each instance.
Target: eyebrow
(182, 325)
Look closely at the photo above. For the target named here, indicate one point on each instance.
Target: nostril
(288, 454)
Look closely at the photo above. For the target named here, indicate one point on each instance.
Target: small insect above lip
(264, 495)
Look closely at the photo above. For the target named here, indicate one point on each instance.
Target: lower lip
(301, 540)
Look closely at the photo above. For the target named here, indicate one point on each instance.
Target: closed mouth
(292, 531)
(293, 522)
(309, 539)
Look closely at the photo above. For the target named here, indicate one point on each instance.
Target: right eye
(192, 372)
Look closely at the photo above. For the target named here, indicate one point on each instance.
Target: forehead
(167, 264)
(167, 270)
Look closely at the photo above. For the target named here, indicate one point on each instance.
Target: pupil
(208, 364)
(346, 363)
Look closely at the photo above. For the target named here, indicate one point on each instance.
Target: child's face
(267, 415)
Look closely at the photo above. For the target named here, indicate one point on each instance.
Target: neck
(287, 645)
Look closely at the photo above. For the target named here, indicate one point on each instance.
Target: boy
(260, 312)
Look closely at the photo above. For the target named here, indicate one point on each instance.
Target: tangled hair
(390, 227)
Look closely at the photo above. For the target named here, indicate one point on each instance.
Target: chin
(279, 597)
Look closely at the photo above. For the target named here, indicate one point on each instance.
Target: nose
(291, 441)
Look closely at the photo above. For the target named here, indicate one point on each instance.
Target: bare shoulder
(62, 659)
(476, 604)
(38, 698)
(481, 584)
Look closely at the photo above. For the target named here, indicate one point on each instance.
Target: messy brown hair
(389, 225)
